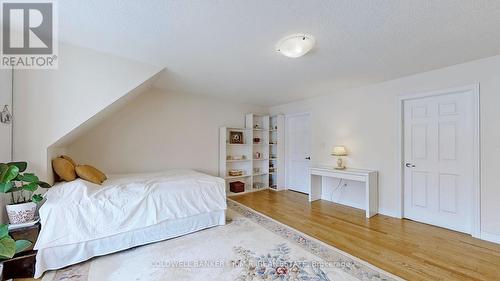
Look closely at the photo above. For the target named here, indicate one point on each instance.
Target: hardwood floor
(411, 250)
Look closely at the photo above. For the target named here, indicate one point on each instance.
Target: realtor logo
(28, 35)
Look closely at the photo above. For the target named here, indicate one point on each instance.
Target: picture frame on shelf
(236, 137)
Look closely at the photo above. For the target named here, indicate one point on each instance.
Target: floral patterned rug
(250, 247)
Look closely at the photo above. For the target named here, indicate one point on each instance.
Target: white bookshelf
(236, 152)
(277, 152)
(259, 126)
(257, 162)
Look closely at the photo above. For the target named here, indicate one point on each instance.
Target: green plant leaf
(5, 187)
(22, 245)
(7, 247)
(3, 167)
(21, 165)
(36, 198)
(28, 177)
(31, 186)
(43, 184)
(9, 174)
(4, 230)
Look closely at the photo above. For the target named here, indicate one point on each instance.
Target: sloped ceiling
(225, 48)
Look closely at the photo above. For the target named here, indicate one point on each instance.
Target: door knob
(409, 165)
(308, 158)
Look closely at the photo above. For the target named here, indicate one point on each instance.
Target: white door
(438, 153)
(298, 140)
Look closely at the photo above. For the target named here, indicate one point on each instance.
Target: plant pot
(21, 213)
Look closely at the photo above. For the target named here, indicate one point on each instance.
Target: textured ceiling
(226, 48)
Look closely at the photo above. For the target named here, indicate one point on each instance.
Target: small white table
(370, 178)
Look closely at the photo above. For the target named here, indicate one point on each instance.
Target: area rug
(250, 246)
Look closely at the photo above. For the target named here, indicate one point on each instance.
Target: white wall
(364, 120)
(5, 130)
(159, 131)
(52, 103)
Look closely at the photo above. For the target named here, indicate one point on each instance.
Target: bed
(81, 220)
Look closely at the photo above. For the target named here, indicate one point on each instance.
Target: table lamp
(339, 151)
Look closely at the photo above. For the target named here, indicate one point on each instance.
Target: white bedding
(80, 211)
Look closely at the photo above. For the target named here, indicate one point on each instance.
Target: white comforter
(80, 211)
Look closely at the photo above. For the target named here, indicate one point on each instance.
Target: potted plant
(21, 187)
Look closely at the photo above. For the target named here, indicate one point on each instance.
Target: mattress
(80, 211)
(62, 256)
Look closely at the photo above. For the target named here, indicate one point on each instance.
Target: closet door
(298, 150)
(438, 134)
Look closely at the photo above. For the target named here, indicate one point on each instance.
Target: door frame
(287, 151)
(476, 150)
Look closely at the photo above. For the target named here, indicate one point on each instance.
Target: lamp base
(340, 164)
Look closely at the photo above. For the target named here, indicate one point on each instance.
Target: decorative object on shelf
(256, 140)
(21, 187)
(256, 170)
(5, 116)
(236, 137)
(257, 155)
(258, 185)
(235, 172)
(237, 157)
(237, 186)
(271, 169)
(256, 126)
(339, 151)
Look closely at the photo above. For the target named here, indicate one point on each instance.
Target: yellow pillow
(90, 174)
(69, 159)
(64, 169)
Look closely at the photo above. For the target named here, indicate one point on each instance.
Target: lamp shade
(339, 151)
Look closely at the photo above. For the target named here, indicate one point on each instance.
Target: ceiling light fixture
(296, 45)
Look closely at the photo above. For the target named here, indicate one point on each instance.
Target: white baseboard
(491, 237)
(389, 213)
(486, 236)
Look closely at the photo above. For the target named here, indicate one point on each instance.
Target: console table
(370, 178)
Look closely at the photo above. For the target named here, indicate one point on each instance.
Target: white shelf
(271, 142)
(235, 161)
(236, 129)
(237, 177)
